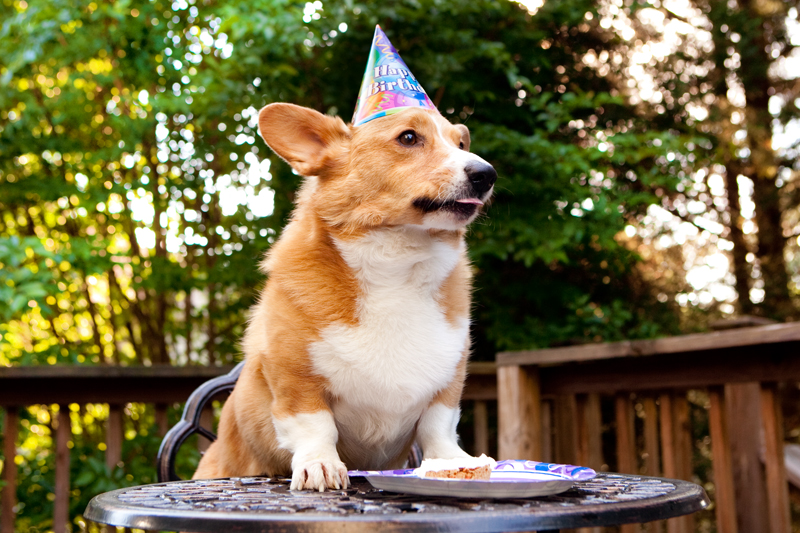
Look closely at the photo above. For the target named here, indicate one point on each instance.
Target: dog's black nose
(481, 175)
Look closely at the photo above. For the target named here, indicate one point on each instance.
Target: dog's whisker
(439, 192)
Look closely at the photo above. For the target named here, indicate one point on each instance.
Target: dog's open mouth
(462, 207)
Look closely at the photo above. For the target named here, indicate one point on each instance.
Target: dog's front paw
(320, 475)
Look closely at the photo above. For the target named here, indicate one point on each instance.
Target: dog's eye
(461, 146)
(408, 138)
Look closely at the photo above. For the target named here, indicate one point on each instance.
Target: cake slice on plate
(459, 468)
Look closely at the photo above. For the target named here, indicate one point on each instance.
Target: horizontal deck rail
(30, 385)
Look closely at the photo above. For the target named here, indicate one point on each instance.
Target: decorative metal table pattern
(257, 504)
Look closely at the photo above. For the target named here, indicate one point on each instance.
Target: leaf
(19, 302)
(85, 478)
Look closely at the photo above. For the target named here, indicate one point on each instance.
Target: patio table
(257, 504)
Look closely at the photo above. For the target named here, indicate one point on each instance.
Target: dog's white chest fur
(385, 371)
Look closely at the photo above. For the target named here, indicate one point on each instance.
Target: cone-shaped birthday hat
(388, 86)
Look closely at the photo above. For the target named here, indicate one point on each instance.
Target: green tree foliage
(110, 188)
(136, 198)
(729, 78)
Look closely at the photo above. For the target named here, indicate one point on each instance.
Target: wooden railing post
(683, 446)
(743, 401)
(589, 434)
(777, 487)
(590, 431)
(683, 438)
(61, 504)
(161, 419)
(9, 491)
(668, 461)
(626, 445)
(114, 436)
(566, 429)
(723, 472)
(480, 429)
(546, 410)
(676, 449)
(651, 461)
(519, 413)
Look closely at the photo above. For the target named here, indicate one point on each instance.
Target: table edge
(687, 498)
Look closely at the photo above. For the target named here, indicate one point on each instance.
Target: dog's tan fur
(363, 180)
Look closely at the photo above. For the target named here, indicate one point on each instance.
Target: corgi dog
(358, 345)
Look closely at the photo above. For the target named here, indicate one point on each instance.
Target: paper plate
(509, 479)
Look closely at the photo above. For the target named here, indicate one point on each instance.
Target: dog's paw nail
(321, 475)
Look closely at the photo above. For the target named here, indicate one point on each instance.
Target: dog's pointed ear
(301, 136)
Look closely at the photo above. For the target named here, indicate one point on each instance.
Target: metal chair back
(189, 424)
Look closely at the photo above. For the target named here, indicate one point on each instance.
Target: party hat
(388, 86)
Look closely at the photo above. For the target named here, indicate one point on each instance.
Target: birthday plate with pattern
(509, 479)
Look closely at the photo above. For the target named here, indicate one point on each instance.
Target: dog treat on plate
(459, 468)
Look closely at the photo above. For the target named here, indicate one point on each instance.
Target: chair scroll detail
(189, 423)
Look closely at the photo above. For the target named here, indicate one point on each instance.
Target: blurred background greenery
(646, 153)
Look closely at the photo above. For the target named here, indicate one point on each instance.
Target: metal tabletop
(258, 504)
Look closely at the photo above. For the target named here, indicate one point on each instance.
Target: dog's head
(412, 167)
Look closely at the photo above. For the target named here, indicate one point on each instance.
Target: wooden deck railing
(549, 408)
(118, 386)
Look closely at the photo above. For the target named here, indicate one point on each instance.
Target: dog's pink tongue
(470, 201)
